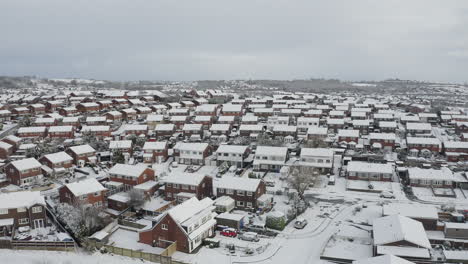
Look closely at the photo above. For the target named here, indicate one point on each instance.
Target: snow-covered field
(54, 257)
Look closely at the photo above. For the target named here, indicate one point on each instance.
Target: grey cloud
(190, 40)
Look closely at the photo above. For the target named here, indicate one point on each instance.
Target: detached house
(232, 155)
(88, 191)
(192, 153)
(245, 191)
(187, 224)
(131, 175)
(23, 172)
(181, 186)
(357, 170)
(155, 152)
(19, 209)
(270, 158)
(82, 154)
(319, 158)
(58, 163)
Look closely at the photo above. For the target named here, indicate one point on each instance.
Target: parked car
(300, 223)
(249, 236)
(229, 232)
(387, 195)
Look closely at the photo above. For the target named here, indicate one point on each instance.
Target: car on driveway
(249, 236)
(229, 232)
(300, 223)
(387, 195)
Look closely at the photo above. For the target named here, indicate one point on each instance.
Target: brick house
(136, 130)
(245, 191)
(19, 209)
(232, 155)
(5, 150)
(420, 143)
(192, 153)
(155, 152)
(456, 150)
(124, 146)
(131, 175)
(82, 154)
(88, 191)
(270, 158)
(68, 111)
(358, 170)
(61, 132)
(114, 116)
(52, 106)
(193, 130)
(348, 135)
(442, 178)
(199, 185)
(87, 107)
(59, 162)
(207, 109)
(22, 172)
(129, 114)
(45, 121)
(164, 130)
(32, 132)
(187, 224)
(386, 140)
(98, 131)
(320, 158)
(37, 109)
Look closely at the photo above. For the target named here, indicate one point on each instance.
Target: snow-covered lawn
(54, 257)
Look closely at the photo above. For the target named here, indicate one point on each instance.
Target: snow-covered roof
(189, 208)
(193, 179)
(237, 149)
(220, 127)
(95, 128)
(384, 259)
(317, 152)
(396, 228)
(456, 144)
(164, 127)
(4, 145)
(26, 164)
(120, 144)
(237, 183)
(155, 145)
(90, 185)
(20, 199)
(39, 129)
(411, 211)
(423, 141)
(444, 174)
(418, 126)
(122, 197)
(317, 131)
(359, 166)
(154, 118)
(382, 136)
(127, 170)
(54, 129)
(58, 157)
(96, 119)
(82, 149)
(348, 133)
(183, 146)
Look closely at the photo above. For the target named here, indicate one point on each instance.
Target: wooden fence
(135, 254)
(38, 245)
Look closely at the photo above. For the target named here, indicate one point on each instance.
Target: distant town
(241, 171)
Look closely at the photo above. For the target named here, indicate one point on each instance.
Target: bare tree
(301, 177)
(137, 198)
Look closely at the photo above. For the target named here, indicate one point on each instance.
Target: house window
(36, 209)
(23, 221)
(164, 227)
(168, 184)
(192, 187)
(169, 194)
(221, 190)
(3, 211)
(240, 203)
(21, 209)
(249, 204)
(96, 194)
(176, 186)
(229, 191)
(249, 193)
(240, 193)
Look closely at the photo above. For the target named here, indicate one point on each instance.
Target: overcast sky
(198, 39)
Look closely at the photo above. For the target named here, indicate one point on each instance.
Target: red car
(229, 232)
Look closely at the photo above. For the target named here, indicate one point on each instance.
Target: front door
(38, 223)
